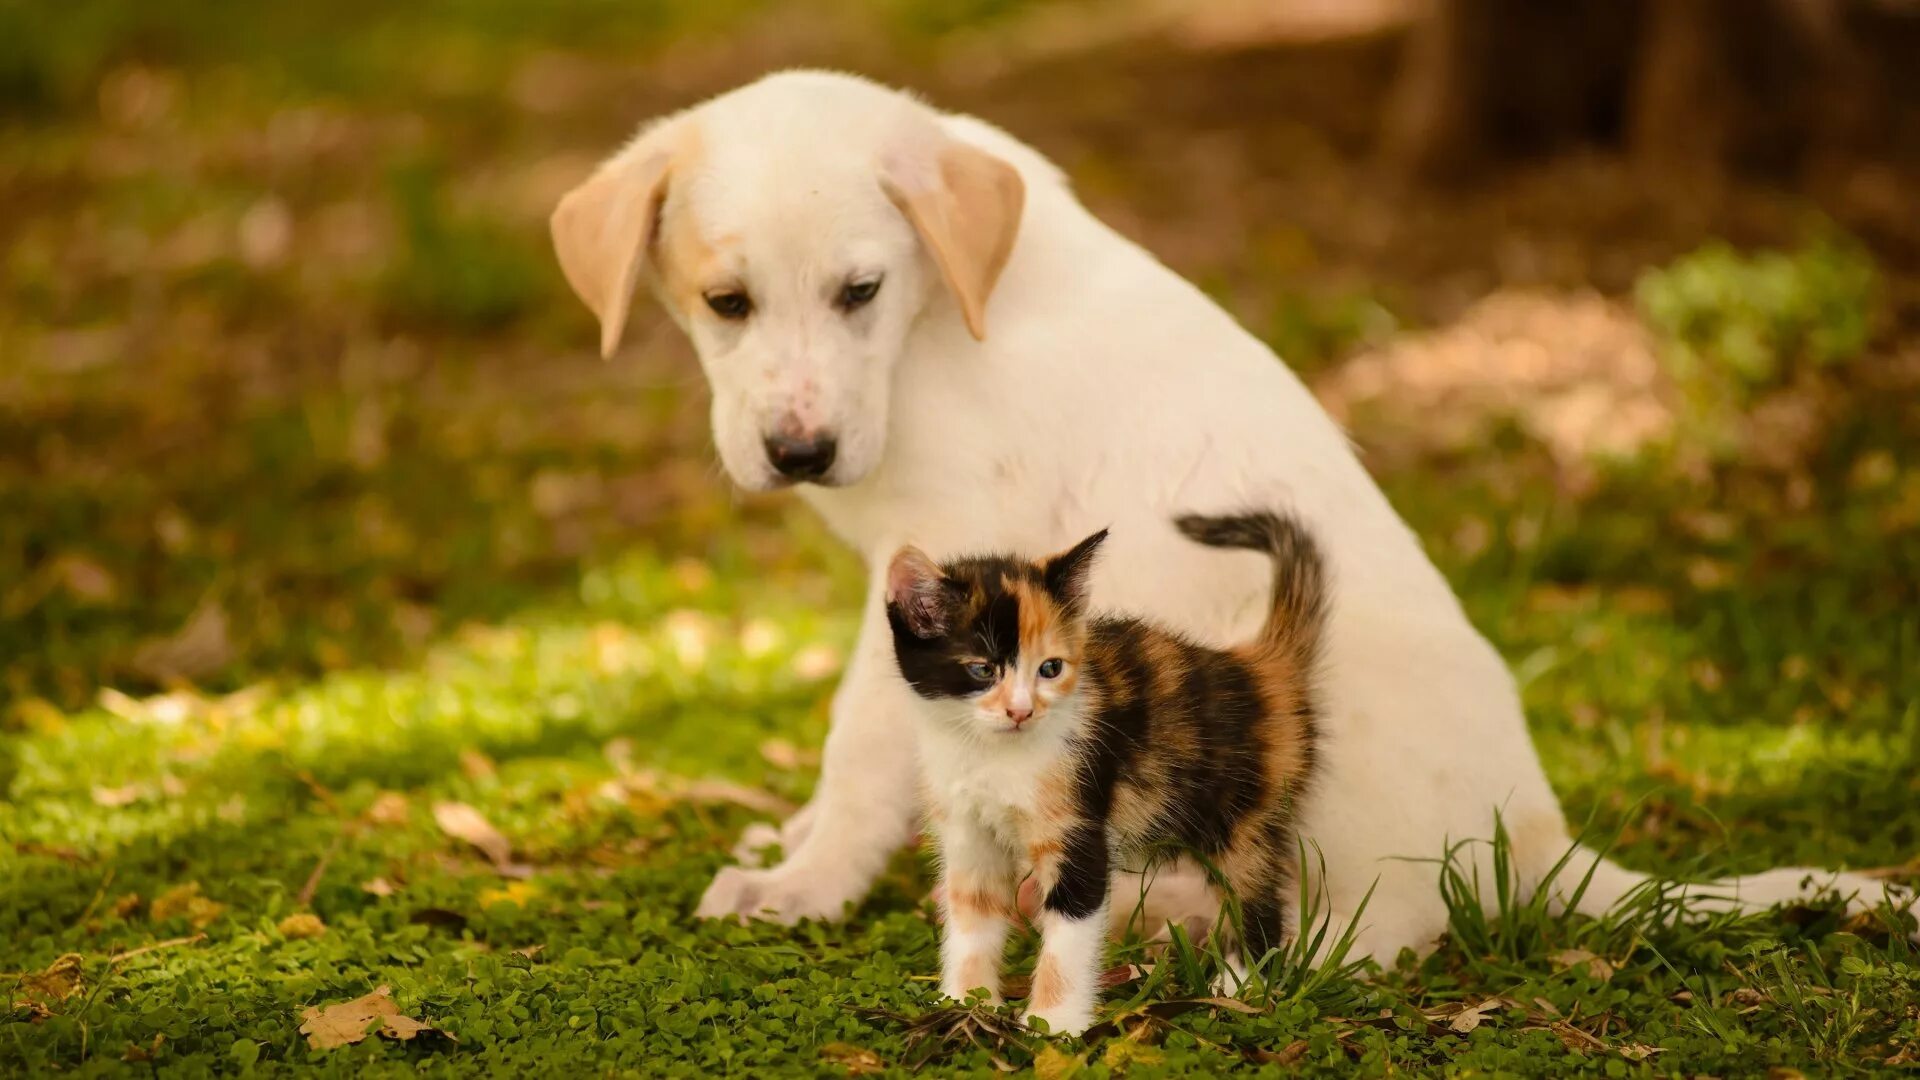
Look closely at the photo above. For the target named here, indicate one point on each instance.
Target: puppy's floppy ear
(965, 204)
(603, 229)
(915, 591)
(1066, 574)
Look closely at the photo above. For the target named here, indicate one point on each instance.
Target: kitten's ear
(915, 588)
(1066, 574)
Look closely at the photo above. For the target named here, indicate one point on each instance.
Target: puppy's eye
(731, 304)
(857, 294)
(980, 672)
(1052, 668)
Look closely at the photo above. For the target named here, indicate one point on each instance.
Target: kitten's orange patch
(1042, 852)
(1137, 805)
(1283, 694)
(995, 700)
(963, 903)
(1049, 986)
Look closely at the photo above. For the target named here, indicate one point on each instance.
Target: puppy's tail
(1294, 628)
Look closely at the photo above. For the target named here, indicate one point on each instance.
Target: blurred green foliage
(1735, 325)
(53, 55)
(459, 270)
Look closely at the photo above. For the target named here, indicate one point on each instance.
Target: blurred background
(1621, 301)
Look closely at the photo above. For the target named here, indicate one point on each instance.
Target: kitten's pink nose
(1019, 715)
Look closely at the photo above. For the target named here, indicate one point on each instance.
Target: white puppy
(910, 314)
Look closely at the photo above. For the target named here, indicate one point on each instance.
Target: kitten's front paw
(1062, 1021)
(964, 995)
(781, 895)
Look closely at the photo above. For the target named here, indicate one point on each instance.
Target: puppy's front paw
(1065, 1020)
(754, 842)
(783, 895)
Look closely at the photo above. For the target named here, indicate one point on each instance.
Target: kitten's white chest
(1000, 787)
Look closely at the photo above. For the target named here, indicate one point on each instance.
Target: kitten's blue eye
(980, 672)
(1051, 669)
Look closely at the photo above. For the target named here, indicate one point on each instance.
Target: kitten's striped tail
(1295, 625)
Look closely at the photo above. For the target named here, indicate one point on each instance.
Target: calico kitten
(1054, 744)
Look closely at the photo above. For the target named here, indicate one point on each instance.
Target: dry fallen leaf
(463, 822)
(60, 981)
(1597, 968)
(1052, 1063)
(1463, 1018)
(185, 901)
(858, 1061)
(727, 791)
(302, 925)
(667, 788)
(1286, 1055)
(782, 754)
(137, 1053)
(348, 1022)
(116, 797)
(199, 648)
(378, 887)
(389, 808)
(476, 765)
(816, 662)
(1231, 1004)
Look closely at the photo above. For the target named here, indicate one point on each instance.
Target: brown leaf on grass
(1575, 1039)
(1462, 1018)
(1231, 1005)
(476, 765)
(1127, 1052)
(80, 577)
(302, 925)
(782, 754)
(816, 662)
(61, 980)
(378, 887)
(115, 797)
(199, 648)
(463, 822)
(667, 788)
(858, 1061)
(127, 906)
(347, 1022)
(390, 808)
(185, 902)
(727, 791)
(1597, 968)
(1286, 1055)
(1053, 1063)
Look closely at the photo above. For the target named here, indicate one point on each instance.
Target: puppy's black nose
(801, 457)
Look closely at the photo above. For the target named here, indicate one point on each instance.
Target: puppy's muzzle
(801, 457)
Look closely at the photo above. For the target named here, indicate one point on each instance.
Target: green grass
(438, 553)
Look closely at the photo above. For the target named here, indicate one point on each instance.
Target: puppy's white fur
(1106, 392)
